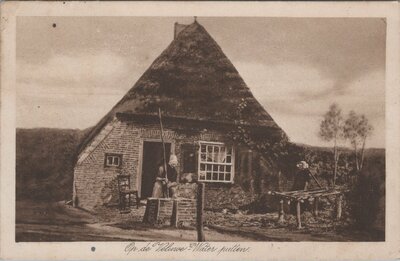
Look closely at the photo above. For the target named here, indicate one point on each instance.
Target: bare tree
(356, 130)
(331, 129)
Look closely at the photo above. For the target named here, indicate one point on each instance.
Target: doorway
(152, 159)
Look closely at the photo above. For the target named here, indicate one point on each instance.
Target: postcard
(199, 130)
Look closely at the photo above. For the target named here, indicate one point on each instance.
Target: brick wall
(184, 212)
(159, 211)
(165, 211)
(176, 212)
(96, 185)
(151, 214)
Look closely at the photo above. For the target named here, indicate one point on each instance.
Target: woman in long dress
(160, 185)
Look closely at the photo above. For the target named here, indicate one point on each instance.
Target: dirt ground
(56, 221)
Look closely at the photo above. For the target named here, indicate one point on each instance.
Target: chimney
(178, 28)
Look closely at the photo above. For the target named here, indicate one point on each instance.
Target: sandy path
(104, 232)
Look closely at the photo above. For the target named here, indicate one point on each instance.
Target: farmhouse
(203, 101)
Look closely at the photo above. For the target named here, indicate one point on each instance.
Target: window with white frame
(216, 162)
(113, 160)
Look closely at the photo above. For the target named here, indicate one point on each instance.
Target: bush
(368, 196)
(45, 160)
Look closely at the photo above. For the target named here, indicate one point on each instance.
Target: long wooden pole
(281, 218)
(316, 180)
(339, 206)
(336, 162)
(362, 153)
(200, 209)
(164, 154)
(298, 214)
(316, 199)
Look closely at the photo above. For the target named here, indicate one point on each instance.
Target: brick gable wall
(96, 185)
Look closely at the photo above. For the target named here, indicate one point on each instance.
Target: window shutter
(189, 158)
(245, 167)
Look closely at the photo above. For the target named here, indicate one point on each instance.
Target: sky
(72, 70)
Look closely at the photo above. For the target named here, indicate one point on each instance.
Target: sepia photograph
(267, 129)
(199, 131)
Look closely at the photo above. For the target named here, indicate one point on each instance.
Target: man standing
(301, 182)
(303, 177)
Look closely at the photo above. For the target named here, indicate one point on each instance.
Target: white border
(259, 250)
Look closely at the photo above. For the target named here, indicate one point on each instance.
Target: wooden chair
(126, 193)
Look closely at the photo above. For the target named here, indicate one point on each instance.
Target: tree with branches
(331, 129)
(356, 130)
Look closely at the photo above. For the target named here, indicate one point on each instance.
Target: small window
(113, 160)
(216, 162)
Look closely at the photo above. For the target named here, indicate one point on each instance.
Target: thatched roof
(193, 79)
